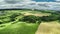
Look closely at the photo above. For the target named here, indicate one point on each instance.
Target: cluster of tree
(48, 18)
(11, 18)
(30, 18)
(35, 19)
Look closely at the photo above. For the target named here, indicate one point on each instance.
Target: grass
(28, 12)
(18, 28)
(49, 28)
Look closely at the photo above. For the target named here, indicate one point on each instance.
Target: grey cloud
(31, 5)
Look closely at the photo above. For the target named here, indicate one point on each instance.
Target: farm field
(49, 28)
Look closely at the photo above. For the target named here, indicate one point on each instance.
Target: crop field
(49, 28)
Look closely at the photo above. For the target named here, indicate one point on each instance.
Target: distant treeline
(24, 9)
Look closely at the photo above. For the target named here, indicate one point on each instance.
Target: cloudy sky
(35, 0)
(42, 4)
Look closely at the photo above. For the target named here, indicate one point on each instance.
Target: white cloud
(1, 0)
(26, 0)
(57, 0)
(43, 5)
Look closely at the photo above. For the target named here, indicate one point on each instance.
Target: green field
(24, 21)
(18, 28)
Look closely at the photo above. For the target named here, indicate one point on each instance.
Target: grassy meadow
(28, 21)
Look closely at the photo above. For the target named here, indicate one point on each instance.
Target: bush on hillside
(11, 20)
(15, 15)
(1, 22)
(30, 19)
(39, 21)
(48, 18)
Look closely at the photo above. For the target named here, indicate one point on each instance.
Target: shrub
(1, 22)
(15, 15)
(48, 18)
(12, 19)
(39, 21)
(6, 20)
(30, 19)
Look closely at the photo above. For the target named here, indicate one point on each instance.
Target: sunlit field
(29, 22)
(17, 27)
(49, 28)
